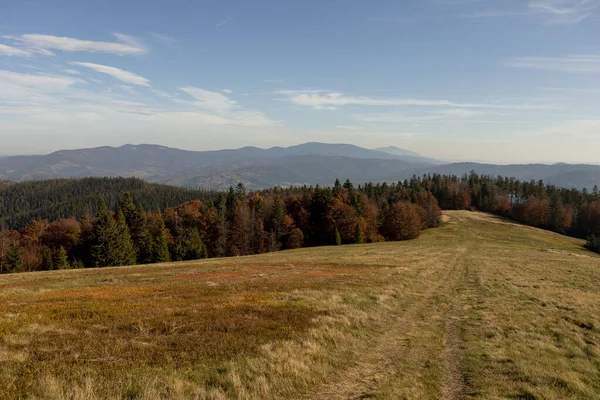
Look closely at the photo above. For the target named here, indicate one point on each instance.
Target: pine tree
(160, 248)
(338, 237)
(59, 259)
(276, 225)
(46, 261)
(138, 228)
(13, 260)
(359, 234)
(125, 249)
(110, 243)
(188, 244)
(230, 204)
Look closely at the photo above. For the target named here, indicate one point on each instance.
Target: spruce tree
(13, 259)
(59, 259)
(188, 244)
(138, 228)
(110, 243)
(338, 237)
(359, 234)
(160, 247)
(46, 261)
(125, 249)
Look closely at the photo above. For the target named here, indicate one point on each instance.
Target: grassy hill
(480, 308)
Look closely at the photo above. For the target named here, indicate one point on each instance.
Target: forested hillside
(21, 203)
(142, 226)
(230, 224)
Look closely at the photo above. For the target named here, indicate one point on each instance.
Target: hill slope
(479, 307)
(21, 203)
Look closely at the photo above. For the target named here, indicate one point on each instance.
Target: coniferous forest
(142, 223)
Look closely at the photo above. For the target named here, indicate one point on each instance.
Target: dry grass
(479, 308)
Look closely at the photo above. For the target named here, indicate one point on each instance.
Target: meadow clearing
(479, 308)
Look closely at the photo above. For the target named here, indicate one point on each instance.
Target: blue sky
(487, 80)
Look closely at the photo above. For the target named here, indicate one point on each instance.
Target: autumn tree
(401, 222)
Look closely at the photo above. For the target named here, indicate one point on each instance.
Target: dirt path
(377, 367)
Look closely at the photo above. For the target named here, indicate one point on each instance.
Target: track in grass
(479, 308)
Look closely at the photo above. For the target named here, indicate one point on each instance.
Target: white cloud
(226, 111)
(6, 50)
(64, 106)
(44, 43)
(42, 82)
(117, 73)
(574, 63)
(228, 91)
(329, 100)
(71, 71)
(209, 100)
(350, 127)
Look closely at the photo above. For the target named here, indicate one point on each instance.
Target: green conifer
(59, 259)
(47, 263)
(125, 248)
(359, 234)
(160, 247)
(14, 259)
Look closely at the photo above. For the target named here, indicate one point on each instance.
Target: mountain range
(305, 164)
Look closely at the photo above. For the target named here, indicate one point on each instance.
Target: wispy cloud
(71, 71)
(565, 11)
(6, 50)
(575, 63)
(224, 22)
(329, 100)
(45, 102)
(397, 117)
(43, 82)
(44, 44)
(225, 111)
(117, 73)
(550, 11)
(162, 38)
(209, 100)
(228, 91)
(496, 14)
(350, 127)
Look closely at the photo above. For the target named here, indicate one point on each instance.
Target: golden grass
(479, 308)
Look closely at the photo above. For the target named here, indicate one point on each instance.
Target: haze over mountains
(309, 163)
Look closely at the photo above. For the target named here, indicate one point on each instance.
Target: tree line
(566, 211)
(229, 223)
(239, 223)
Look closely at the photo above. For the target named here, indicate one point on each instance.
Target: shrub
(593, 243)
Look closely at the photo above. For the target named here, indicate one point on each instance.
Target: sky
(483, 80)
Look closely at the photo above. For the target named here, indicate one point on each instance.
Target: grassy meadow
(479, 308)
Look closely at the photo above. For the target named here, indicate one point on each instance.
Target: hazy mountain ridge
(305, 164)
